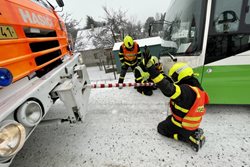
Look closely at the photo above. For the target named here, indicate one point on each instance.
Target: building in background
(95, 45)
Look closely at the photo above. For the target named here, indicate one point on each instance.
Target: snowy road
(120, 131)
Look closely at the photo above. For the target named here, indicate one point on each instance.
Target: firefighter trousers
(124, 70)
(168, 129)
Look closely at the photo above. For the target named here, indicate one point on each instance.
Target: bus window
(183, 35)
(228, 34)
(227, 22)
(247, 19)
(226, 15)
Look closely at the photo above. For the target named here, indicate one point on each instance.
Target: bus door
(226, 74)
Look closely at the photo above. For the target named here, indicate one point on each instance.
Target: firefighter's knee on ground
(162, 129)
(148, 93)
(145, 92)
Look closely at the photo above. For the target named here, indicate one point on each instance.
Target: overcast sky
(139, 9)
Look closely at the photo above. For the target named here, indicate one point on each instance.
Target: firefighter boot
(120, 82)
(197, 140)
(120, 86)
(200, 135)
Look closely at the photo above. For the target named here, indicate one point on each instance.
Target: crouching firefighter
(130, 56)
(187, 103)
(142, 76)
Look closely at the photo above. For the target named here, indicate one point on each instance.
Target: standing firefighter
(187, 100)
(129, 55)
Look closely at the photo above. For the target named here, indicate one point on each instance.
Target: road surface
(120, 131)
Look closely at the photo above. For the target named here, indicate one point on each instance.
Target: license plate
(7, 32)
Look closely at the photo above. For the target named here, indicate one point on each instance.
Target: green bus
(212, 36)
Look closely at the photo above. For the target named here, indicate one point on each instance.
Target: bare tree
(155, 24)
(72, 25)
(115, 28)
(115, 22)
(148, 23)
(133, 29)
(91, 22)
(101, 38)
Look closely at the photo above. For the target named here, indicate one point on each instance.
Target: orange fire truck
(37, 67)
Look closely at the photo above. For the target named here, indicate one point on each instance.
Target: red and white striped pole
(111, 85)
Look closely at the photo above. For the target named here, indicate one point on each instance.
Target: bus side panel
(198, 73)
(227, 84)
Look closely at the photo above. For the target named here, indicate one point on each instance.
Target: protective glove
(145, 76)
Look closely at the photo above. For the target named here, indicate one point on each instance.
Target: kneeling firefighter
(187, 103)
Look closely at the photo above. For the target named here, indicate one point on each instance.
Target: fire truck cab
(37, 67)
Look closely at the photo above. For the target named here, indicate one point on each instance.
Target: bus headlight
(12, 138)
(29, 114)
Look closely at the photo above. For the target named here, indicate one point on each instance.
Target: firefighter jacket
(130, 57)
(160, 69)
(187, 100)
(193, 116)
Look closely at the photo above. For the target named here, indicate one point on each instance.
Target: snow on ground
(120, 131)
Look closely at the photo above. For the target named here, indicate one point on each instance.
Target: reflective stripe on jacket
(130, 55)
(130, 63)
(192, 119)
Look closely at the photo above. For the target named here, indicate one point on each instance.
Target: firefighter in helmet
(130, 56)
(187, 103)
(142, 76)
